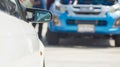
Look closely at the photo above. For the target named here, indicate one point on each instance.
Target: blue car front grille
(94, 22)
(86, 13)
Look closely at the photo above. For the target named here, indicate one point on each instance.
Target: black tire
(52, 38)
(117, 40)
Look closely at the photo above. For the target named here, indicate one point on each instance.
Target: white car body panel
(19, 43)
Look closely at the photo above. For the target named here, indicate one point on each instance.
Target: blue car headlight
(115, 8)
(59, 7)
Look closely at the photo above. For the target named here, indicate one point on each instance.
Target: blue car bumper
(73, 29)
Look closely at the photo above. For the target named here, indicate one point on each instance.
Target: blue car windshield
(94, 2)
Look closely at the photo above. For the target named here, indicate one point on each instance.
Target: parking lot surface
(89, 53)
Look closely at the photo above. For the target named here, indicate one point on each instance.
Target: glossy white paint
(19, 43)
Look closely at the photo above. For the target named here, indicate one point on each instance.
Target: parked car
(83, 19)
(19, 43)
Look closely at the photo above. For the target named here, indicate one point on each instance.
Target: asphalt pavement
(77, 52)
(70, 53)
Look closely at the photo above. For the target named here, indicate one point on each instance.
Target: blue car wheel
(117, 40)
(52, 38)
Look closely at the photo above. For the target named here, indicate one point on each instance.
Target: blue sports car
(84, 18)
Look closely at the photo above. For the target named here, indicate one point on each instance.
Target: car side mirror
(35, 15)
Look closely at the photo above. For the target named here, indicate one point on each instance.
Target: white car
(19, 43)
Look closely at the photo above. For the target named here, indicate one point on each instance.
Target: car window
(96, 2)
(10, 7)
(3, 6)
(26, 3)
